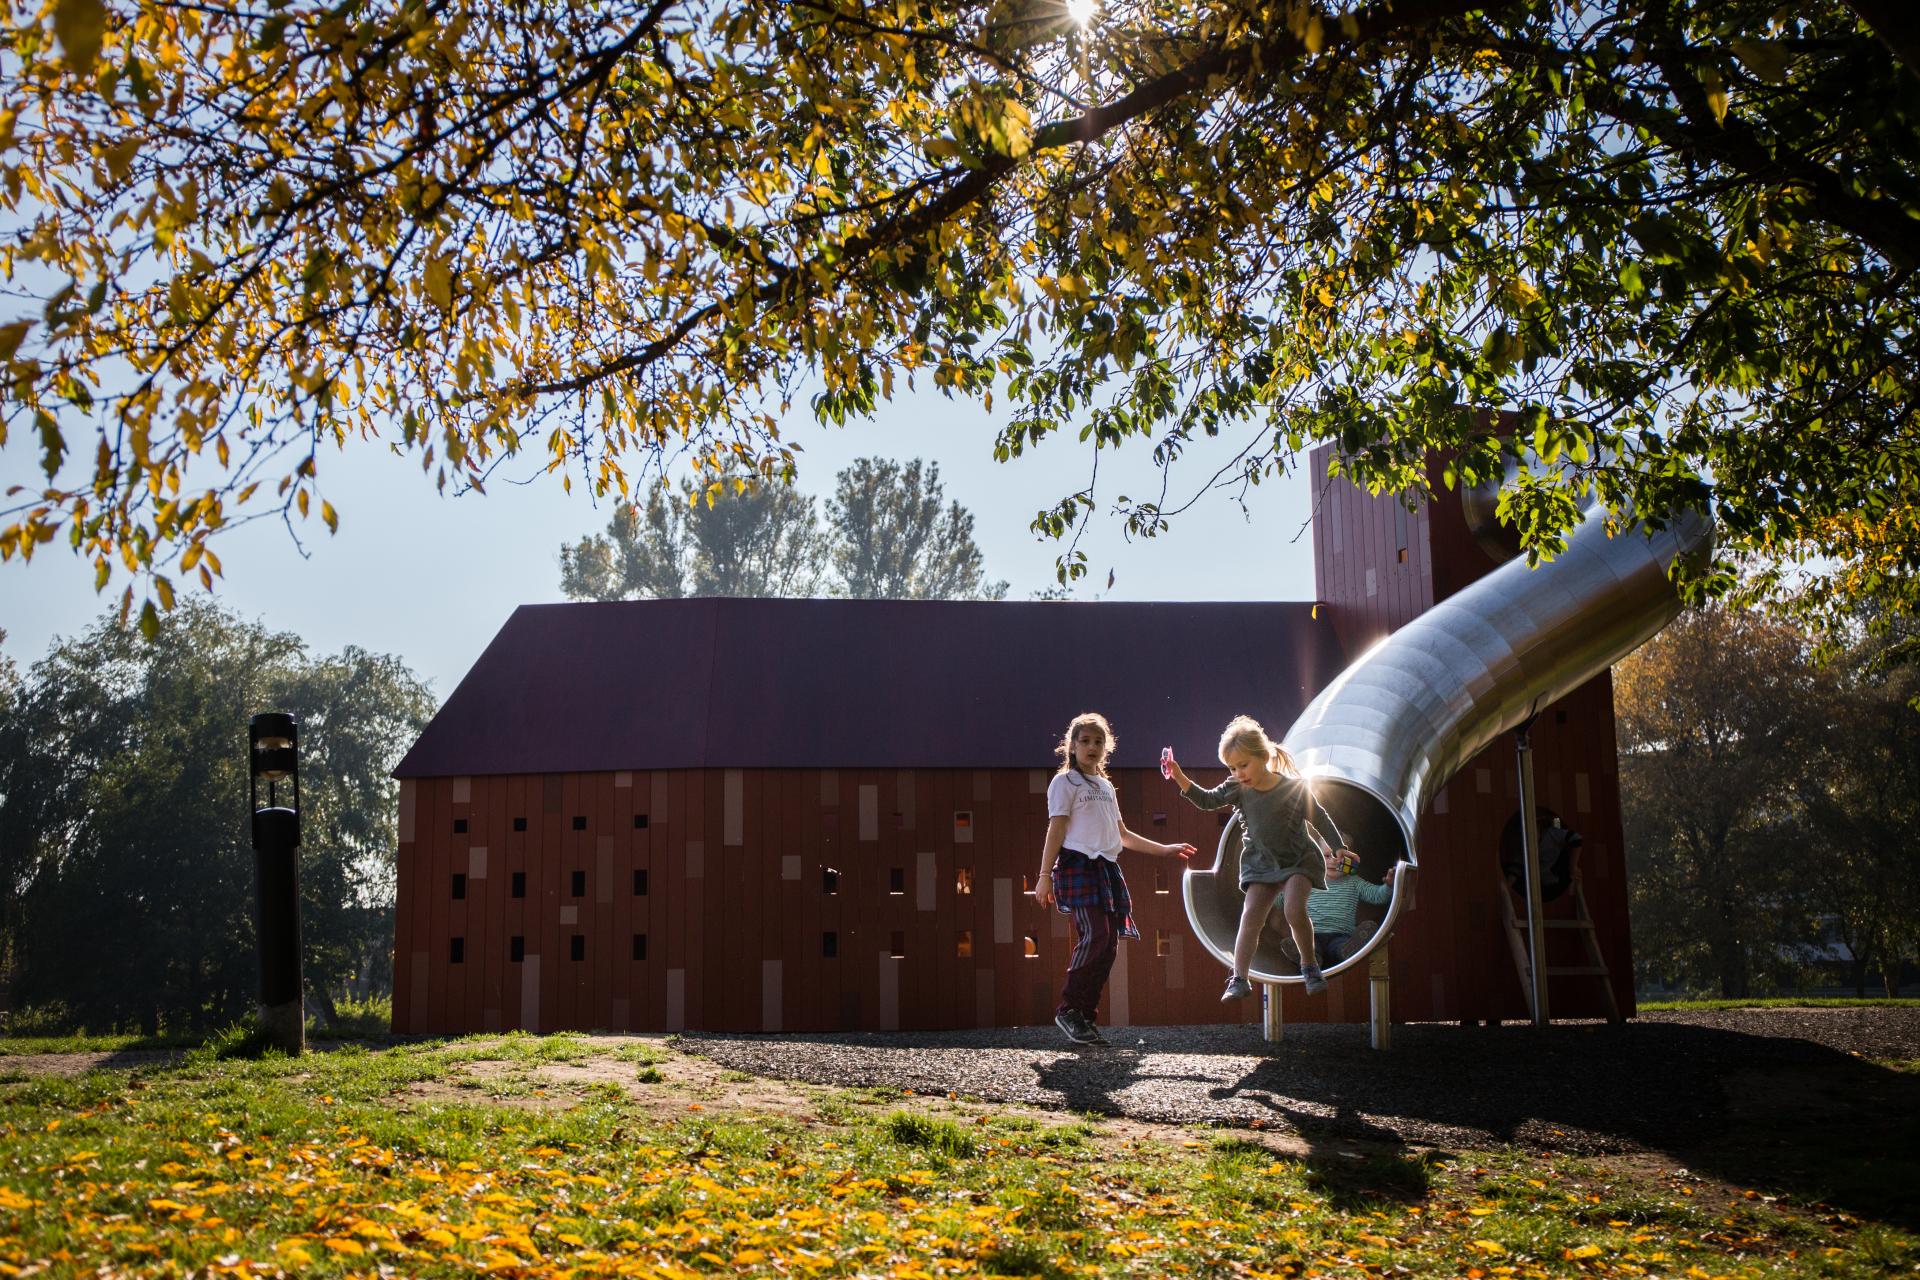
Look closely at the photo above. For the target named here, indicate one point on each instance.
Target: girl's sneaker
(1316, 981)
(1238, 988)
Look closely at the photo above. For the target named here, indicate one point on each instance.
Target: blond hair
(1085, 720)
(1245, 733)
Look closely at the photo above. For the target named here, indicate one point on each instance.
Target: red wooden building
(819, 815)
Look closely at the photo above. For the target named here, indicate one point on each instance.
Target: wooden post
(1380, 993)
(1274, 1027)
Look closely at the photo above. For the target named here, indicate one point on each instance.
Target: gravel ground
(1663, 1081)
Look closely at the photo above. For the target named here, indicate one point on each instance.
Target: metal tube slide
(1395, 725)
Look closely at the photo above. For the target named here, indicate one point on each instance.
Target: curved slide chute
(1393, 727)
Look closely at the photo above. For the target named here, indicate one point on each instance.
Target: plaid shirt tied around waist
(1081, 883)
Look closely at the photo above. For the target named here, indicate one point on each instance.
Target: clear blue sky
(431, 578)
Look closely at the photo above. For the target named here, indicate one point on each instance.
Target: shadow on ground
(1774, 1113)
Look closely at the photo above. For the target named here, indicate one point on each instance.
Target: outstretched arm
(1130, 839)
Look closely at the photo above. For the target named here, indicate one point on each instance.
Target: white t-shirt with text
(1092, 811)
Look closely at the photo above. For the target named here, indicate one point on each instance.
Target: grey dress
(1274, 844)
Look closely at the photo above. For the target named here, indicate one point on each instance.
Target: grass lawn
(569, 1156)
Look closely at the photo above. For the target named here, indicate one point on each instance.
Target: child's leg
(1253, 918)
(1295, 907)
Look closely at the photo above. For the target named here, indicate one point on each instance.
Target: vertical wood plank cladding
(905, 793)
(626, 995)
(733, 807)
(869, 811)
(753, 905)
(702, 942)
(446, 847)
(612, 957)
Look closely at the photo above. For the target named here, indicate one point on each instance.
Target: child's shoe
(1074, 1025)
(1238, 988)
(1316, 981)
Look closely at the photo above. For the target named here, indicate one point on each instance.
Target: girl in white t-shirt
(1080, 869)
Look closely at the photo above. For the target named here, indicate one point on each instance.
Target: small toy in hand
(1166, 762)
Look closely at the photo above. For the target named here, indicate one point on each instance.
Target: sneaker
(1074, 1025)
(1098, 1037)
(1316, 981)
(1238, 988)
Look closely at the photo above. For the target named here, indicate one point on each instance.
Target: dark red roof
(673, 684)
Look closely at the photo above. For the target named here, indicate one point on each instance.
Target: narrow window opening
(640, 882)
(1032, 947)
(639, 822)
(459, 826)
(963, 946)
(639, 946)
(963, 820)
(1403, 555)
(519, 884)
(830, 944)
(519, 824)
(1159, 819)
(578, 884)
(516, 948)
(897, 945)
(579, 822)
(1026, 885)
(896, 881)
(963, 880)
(459, 886)
(1162, 943)
(899, 820)
(457, 950)
(829, 880)
(1160, 884)
(577, 946)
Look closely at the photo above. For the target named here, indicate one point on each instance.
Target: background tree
(1721, 721)
(757, 541)
(124, 817)
(887, 536)
(1863, 807)
(1677, 239)
(892, 540)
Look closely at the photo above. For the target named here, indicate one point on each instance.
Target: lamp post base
(285, 1025)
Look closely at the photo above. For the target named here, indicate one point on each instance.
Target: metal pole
(1530, 857)
(1380, 993)
(272, 742)
(1270, 991)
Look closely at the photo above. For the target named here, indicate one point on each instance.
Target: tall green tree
(1676, 238)
(123, 820)
(887, 535)
(893, 540)
(762, 540)
(1721, 721)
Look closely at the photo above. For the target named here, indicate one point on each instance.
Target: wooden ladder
(1582, 920)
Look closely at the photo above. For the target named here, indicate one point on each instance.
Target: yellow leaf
(80, 26)
(346, 1245)
(439, 282)
(1584, 1251)
(165, 589)
(328, 514)
(1716, 95)
(1315, 36)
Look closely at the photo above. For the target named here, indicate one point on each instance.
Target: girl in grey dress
(1280, 839)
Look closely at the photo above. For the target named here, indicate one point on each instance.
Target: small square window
(577, 946)
(1032, 947)
(519, 884)
(640, 882)
(459, 826)
(578, 884)
(897, 945)
(639, 822)
(1159, 819)
(963, 946)
(1403, 555)
(579, 822)
(519, 824)
(516, 948)
(830, 944)
(639, 946)
(457, 950)
(963, 880)
(829, 880)
(459, 886)
(896, 880)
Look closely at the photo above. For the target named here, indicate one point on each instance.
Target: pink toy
(1166, 762)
